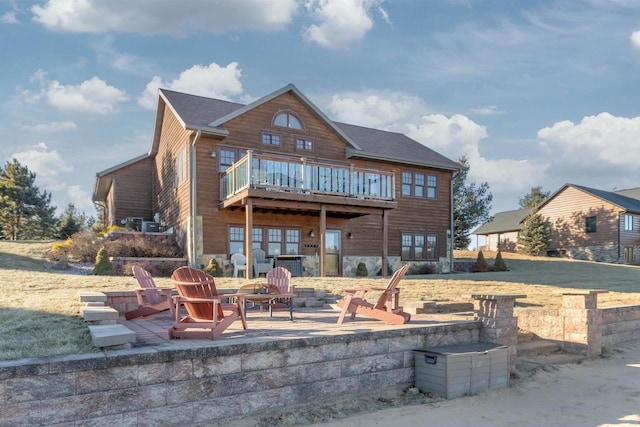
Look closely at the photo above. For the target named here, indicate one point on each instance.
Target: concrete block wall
(208, 383)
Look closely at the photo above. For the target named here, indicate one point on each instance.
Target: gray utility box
(462, 369)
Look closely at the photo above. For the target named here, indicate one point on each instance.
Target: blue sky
(533, 92)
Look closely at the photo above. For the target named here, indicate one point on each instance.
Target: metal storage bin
(462, 369)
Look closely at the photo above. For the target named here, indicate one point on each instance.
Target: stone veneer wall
(607, 253)
(211, 382)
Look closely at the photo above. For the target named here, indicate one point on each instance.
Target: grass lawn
(40, 313)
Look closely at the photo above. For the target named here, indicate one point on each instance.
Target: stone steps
(103, 322)
(536, 354)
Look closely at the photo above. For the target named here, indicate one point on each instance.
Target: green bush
(361, 270)
(103, 264)
(499, 264)
(480, 265)
(213, 268)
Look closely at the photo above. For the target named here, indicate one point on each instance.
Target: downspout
(192, 197)
(451, 269)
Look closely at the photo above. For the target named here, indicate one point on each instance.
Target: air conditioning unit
(150, 227)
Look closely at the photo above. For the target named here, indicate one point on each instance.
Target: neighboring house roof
(634, 193)
(503, 222)
(628, 204)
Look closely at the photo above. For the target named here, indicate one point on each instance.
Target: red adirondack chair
(386, 309)
(207, 313)
(280, 278)
(151, 299)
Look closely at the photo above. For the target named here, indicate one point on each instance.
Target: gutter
(451, 269)
(192, 196)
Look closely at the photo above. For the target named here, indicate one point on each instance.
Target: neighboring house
(594, 224)
(323, 194)
(501, 232)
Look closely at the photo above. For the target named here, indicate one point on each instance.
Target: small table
(264, 294)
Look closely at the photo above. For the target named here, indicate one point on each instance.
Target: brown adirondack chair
(386, 309)
(207, 313)
(280, 278)
(151, 299)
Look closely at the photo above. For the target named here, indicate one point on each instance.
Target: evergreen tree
(499, 264)
(103, 266)
(25, 212)
(534, 235)
(480, 265)
(534, 198)
(471, 205)
(70, 222)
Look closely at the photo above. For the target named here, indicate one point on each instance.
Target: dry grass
(40, 313)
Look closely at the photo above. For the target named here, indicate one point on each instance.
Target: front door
(332, 249)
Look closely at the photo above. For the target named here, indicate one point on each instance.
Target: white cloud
(596, 142)
(341, 22)
(379, 109)
(175, 17)
(635, 44)
(47, 164)
(9, 18)
(452, 136)
(486, 110)
(211, 81)
(52, 127)
(93, 96)
(81, 200)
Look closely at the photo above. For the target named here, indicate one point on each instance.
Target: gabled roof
(391, 146)
(102, 184)
(209, 115)
(634, 193)
(503, 222)
(624, 202)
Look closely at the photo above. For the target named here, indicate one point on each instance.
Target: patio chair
(279, 279)
(207, 313)
(260, 262)
(386, 309)
(151, 299)
(239, 262)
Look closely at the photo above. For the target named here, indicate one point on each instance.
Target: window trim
(263, 243)
(305, 140)
(628, 222)
(591, 224)
(428, 184)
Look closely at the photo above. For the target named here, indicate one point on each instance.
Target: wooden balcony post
(248, 237)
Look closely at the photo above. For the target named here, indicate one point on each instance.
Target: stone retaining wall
(212, 382)
(580, 326)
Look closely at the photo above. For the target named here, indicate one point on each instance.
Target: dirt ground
(603, 392)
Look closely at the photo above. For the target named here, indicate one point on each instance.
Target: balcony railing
(300, 175)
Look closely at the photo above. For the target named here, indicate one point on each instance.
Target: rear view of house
(279, 176)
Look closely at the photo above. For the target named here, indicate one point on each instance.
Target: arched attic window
(287, 120)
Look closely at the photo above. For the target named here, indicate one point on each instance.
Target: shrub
(480, 265)
(103, 264)
(499, 264)
(213, 268)
(361, 270)
(84, 246)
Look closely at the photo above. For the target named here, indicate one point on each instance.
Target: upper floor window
(590, 224)
(287, 120)
(304, 144)
(229, 156)
(271, 139)
(628, 222)
(419, 185)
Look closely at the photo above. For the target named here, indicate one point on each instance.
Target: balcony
(298, 175)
